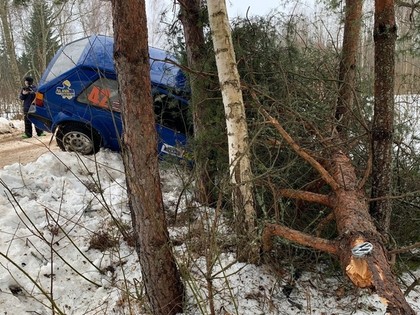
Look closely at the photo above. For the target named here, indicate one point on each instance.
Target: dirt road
(14, 149)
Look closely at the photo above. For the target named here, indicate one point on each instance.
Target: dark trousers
(28, 126)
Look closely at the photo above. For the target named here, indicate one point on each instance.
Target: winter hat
(29, 79)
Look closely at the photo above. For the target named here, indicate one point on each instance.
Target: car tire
(77, 138)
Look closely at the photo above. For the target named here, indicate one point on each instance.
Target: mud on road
(14, 149)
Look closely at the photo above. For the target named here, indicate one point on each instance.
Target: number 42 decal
(99, 96)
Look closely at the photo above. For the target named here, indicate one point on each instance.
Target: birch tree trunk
(160, 275)
(237, 130)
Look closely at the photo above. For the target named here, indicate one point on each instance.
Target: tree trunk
(355, 227)
(9, 43)
(347, 71)
(201, 105)
(159, 270)
(237, 131)
(385, 34)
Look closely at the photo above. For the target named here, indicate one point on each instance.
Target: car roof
(98, 51)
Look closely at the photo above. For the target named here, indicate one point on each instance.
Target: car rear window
(67, 59)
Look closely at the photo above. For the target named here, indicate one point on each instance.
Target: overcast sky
(256, 7)
(263, 7)
(235, 8)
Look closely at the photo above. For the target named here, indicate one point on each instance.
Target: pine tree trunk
(237, 131)
(355, 227)
(348, 61)
(385, 34)
(201, 105)
(164, 288)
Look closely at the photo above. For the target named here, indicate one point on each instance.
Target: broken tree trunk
(355, 227)
(359, 246)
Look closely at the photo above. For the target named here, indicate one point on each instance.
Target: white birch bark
(237, 131)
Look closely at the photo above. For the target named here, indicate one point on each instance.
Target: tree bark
(237, 131)
(385, 34)
(202, 108)
(347, 71)
(355, 226)
(8, 42)
(164, 288)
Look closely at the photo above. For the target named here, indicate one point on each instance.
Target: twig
(404, 249)
(412, 286)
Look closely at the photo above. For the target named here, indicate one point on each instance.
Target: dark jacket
(27, 98)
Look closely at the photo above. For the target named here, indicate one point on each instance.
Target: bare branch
(412, 5)
(410, 194)
(297, 237)
(412, 286)
(404, 249)
(306, 196)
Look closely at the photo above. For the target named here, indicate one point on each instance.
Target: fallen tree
(359, 246)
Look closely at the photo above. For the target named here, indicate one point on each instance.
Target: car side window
(102, 93)
(171, 113)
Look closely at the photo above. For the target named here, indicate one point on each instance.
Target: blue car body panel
(74, 69)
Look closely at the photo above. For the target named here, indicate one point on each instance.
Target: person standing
(27, 95)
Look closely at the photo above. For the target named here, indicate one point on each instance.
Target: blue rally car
(77, 99)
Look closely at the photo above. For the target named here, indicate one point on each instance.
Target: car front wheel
(77, 138)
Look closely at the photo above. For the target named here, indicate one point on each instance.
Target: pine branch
(301, 152)
(306, 196)
(297, 237)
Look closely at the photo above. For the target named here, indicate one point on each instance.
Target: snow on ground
(7, 126)
(55, 216)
